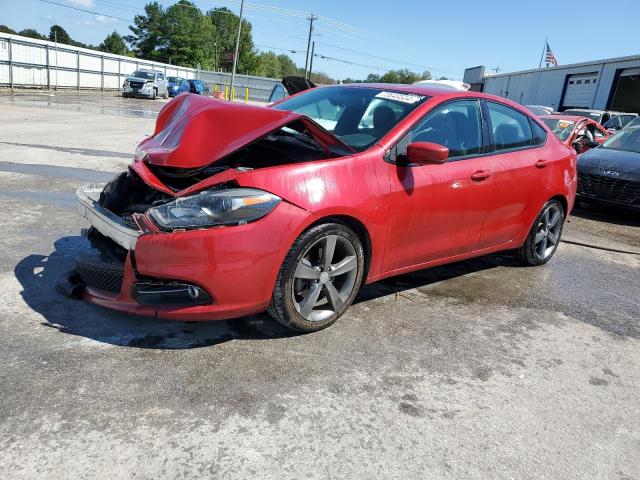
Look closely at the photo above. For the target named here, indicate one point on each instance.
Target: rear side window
(539, 135)
(510, 128)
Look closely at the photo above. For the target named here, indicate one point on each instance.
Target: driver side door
(437, 211)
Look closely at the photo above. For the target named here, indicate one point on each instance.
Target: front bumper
(237, 266)
(145, 91)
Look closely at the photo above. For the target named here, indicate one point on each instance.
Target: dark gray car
(145, 83)
(610, 173)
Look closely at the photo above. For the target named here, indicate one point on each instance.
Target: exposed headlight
(209, 208)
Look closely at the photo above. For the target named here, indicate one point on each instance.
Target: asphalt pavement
(480, 369)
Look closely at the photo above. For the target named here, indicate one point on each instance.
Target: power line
(86, 11)
(427, 67)
(341, 60)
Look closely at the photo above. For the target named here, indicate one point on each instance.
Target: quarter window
(511, 129)
(456, 125)
(539, 135)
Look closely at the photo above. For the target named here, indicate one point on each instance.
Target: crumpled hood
(606, 159)
(193, 131)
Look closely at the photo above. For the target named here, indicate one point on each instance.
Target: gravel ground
(480, 369)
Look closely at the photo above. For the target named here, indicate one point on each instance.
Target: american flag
(550, 58)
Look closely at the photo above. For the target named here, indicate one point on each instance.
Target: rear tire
(166, 95)
(319, 278)
(544, 237)
(155, 94)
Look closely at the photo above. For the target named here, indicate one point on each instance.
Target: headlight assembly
(209, 208)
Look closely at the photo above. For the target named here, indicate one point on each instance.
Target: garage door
(581, 90)
(626, 97)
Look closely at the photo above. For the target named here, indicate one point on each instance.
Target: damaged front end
(184, 178)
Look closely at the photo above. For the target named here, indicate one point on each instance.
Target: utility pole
(312, 18)
(313, 49)
(235, 56)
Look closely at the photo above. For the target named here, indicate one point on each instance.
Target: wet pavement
(481, 369)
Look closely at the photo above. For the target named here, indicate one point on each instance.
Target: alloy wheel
(324, 278)
(548, 232)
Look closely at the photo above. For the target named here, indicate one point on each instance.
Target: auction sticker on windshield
(400, 97)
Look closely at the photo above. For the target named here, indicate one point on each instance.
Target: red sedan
(231, 209)
(581, 133)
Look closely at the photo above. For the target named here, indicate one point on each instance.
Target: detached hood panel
(193, 131)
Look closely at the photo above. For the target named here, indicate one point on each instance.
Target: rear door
(521, 173)
(437, 211)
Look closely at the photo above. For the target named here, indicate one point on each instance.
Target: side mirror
(426, 152)
(577, 146)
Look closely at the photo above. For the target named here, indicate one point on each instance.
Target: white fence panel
(30, 75)
(34, 54)
(90, 62)
(4, 50)
(4, 74)
(24, 62)
(111, 65)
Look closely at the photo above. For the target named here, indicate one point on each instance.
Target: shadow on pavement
(37, 275)
(606, 213)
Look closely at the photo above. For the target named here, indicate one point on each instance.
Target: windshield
(358, 116)
(174, 79)
(562, 128)
(627, 140)
(143, 74)
(584, 113)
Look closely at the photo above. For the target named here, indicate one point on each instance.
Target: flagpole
(543, 50)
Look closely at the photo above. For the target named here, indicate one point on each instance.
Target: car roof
(568, 118)
(428, 91)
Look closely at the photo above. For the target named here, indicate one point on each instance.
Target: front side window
(456, 125)
(277, 94)
(510, 128)
(358, 116)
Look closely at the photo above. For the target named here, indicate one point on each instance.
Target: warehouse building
(612, 84)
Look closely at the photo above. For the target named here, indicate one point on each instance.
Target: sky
(372, 36)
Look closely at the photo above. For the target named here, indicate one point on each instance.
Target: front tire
(544, 237)
(154, 94)
(319, 278)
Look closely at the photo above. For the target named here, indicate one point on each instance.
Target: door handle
(480, 175)
(541, 163)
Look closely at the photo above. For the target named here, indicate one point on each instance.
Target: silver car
(145, 83)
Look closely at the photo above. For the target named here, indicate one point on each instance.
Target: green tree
(5, 29)
(287, 66)
(149, 37)
(373, 78)
(59, 34)
(191, 36)
(114, 43)
(31, 33)
(225, 23)
(269, 65)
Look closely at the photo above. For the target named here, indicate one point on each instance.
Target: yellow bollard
(226, 92)
(215, 88)
(246, 95)
(233, 94)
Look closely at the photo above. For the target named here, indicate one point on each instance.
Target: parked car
(448, 84)
(198, 87)
(580, 133)
(603, 117)
(289, 86)
(276, 212)
(610, 174)
(615, 124)
(145, 83)
(177, 85)
(540, 109)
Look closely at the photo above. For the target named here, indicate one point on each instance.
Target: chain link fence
(31, 63)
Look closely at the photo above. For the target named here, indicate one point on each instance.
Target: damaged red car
(229, 209)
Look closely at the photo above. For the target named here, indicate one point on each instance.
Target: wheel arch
(358, 228)
(563, 200)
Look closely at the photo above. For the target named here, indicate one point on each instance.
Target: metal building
(612, 84)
